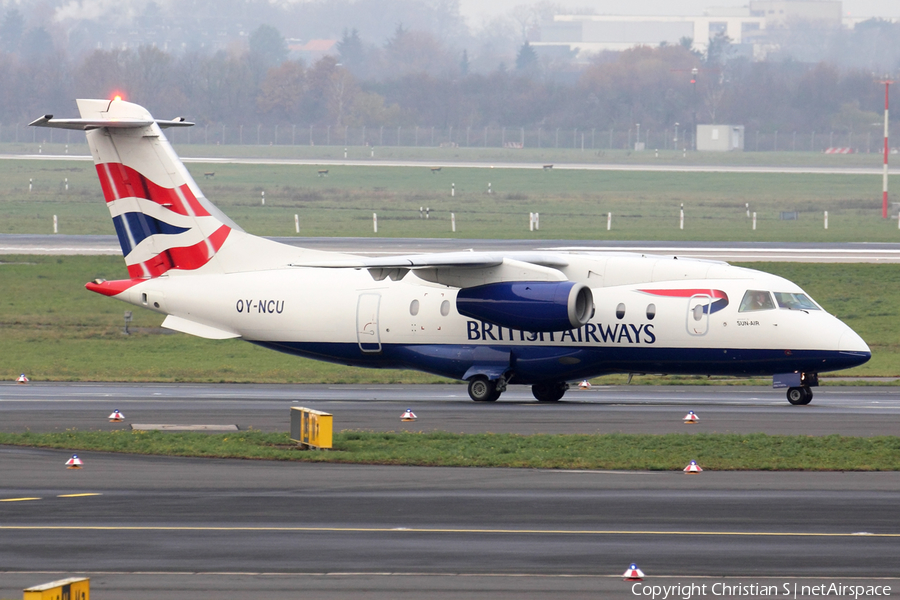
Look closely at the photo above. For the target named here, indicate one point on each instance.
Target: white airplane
(537, 318)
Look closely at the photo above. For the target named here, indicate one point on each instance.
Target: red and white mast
(887, 150)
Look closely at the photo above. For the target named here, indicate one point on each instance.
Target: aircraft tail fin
(161, 217)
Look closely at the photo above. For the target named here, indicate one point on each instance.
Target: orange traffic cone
(409, 415)
(632, 573)
(74, 462)
(116, 417)
(691, 418)
(693, 468)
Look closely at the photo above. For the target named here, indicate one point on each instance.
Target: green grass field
(572, 204)
(55, 330)
(717, 452)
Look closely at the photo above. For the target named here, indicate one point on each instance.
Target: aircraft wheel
(482, 389)
(799, 396)
(548, 392)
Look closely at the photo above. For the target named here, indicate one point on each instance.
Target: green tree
(282, 92)
(368, 110)
(719, 50)
(352, 52)
(267, 49)
(464, 63)
(526, 59)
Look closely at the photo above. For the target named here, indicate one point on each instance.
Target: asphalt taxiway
(199, 528)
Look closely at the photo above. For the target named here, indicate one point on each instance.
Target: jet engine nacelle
(529, 305)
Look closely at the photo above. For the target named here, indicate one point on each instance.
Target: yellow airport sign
(311, 428)
(73, 588)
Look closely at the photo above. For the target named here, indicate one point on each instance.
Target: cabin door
(367, 333)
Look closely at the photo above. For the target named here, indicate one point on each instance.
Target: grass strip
(718, 452)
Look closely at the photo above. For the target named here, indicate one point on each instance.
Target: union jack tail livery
(161, 217)
(164, 223)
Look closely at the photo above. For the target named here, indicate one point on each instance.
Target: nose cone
(853, 349)
(851, 342)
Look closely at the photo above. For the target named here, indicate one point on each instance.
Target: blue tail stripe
(141, 227)
(122, 235)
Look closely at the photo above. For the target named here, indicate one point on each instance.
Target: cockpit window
(756, 300)
(795, 301)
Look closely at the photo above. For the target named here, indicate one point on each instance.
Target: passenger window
(651, 311)
(795, 301)
(620, 311)
(445, 308)
(754, 300)
(414, 307)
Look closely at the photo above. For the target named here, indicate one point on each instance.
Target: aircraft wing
(457, 269)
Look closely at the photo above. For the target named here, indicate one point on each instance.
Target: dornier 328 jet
(537, 318)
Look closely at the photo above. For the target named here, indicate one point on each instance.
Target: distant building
(720, 138)
(746, 27)
(313, 50)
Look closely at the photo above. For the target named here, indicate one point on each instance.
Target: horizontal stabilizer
(88, 124)
(199, 329)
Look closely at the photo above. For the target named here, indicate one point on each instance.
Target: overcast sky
(475, 9)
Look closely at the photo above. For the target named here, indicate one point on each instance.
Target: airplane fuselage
(653, 326)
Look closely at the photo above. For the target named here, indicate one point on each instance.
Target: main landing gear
(549, 392)
(482, 389)
(799, 395)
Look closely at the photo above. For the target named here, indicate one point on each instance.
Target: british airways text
(620, 333)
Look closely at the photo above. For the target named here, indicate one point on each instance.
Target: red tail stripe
(185, 258)
(121, 181)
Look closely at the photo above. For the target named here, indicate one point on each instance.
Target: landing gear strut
(799, 395)
(549, 392)
(482, 389)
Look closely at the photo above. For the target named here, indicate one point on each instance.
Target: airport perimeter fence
(583, 139)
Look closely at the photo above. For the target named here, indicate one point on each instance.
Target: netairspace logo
(732, 590)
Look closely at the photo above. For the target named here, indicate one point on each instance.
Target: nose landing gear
(799, 396)
(798, 386)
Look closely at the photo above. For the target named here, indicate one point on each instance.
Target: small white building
(720, 138)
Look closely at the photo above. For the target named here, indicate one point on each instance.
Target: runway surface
(728, 251)
(664, 168)
(199, 528)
